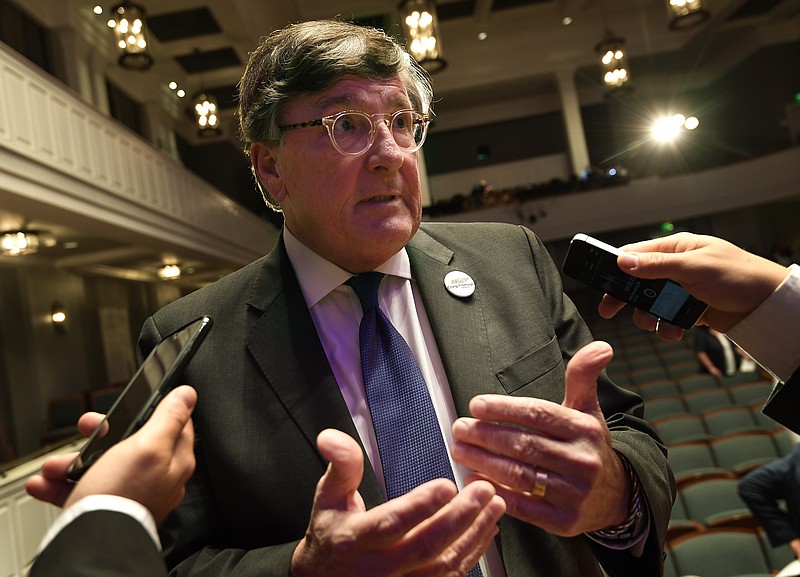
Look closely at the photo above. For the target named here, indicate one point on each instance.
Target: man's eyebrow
(347, 101)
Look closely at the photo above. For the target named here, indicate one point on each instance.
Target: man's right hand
(731, 280)
(433, 530)
(150, 467)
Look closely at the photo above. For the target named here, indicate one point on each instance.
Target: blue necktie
(410, 443)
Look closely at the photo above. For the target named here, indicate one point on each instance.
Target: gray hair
(309, 57)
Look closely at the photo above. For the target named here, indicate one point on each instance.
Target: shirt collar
(318, 276)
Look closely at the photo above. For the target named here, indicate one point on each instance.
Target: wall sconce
(613, 60)
(58, 317)
(18, 242)
(206, 112)
(131, 33)
(422, 30)
(687, 14)
(169, 272)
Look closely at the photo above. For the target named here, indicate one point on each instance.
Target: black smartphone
(594, 263)
(156, 376)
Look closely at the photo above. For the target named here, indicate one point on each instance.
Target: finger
(337, 487)
(451, 523)
(88, 422)
(652, 265)
(51, 485)
(171, 415)
(465, 552)
(581, 378)
(55, 468)
(539, 415)
(609, 306)
(391, 521)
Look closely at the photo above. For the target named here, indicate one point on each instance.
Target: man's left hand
(552, 464)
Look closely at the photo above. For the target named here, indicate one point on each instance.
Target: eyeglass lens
(352, 131)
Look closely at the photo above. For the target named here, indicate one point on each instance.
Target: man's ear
(265, 166)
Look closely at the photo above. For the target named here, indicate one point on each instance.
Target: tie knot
(366, 288)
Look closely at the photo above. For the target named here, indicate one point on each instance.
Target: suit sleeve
(761, 489)
(103, 543)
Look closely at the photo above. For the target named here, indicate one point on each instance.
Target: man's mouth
(381, 198)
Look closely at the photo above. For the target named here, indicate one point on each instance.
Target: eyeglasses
(353, 132)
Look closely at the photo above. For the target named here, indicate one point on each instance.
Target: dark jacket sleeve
(101, 543)
(762, 489)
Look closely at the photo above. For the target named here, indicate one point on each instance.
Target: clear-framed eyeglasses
(352, 132)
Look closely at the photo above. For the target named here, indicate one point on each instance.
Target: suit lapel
(458, 323)
(285, 345)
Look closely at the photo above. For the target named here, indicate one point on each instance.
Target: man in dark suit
(108, 526)
(332, 115)
(753, 300)
(765, 489)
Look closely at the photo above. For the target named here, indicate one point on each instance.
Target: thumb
(338, 487)
(582, 372)
(652, 265)
(171, 414)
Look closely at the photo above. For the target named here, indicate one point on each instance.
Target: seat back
(702, 401)
(743, 452)
(713, 501)
(681, 428)
(720, 554)
(664, 407)
(727, 420)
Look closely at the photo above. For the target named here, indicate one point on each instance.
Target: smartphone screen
(156, 376)
(594, 263)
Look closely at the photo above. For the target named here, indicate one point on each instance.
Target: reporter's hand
(732, 281)
(431, 531)
(150, 467)
(51, 484)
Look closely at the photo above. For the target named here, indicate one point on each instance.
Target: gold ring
(539, 484)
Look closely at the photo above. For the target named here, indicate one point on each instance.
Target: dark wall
(499, 142)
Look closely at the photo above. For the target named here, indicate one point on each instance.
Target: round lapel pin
(459, 284)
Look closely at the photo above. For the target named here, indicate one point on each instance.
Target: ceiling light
(169, 272)
(566, 20)
(687, 14)
(206, 112)
(613, 60)
(691, 123)
(422, 31)
(131, 33)
(18, 243)
(668, 128)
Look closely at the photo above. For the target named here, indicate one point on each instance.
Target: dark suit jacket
(763, 488)
(103, 543)
(783, 402)
(266, 390)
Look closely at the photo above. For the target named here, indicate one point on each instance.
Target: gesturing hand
(431, 531)
(552, 464)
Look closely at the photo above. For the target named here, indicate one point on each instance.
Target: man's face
(356, 211)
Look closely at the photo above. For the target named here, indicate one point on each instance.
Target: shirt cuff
(103, 503)
(771, 332)
(632, 534)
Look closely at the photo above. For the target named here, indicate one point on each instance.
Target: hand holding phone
(594, 263)
(156, 376)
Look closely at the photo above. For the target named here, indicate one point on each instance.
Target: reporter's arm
(731, 280)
